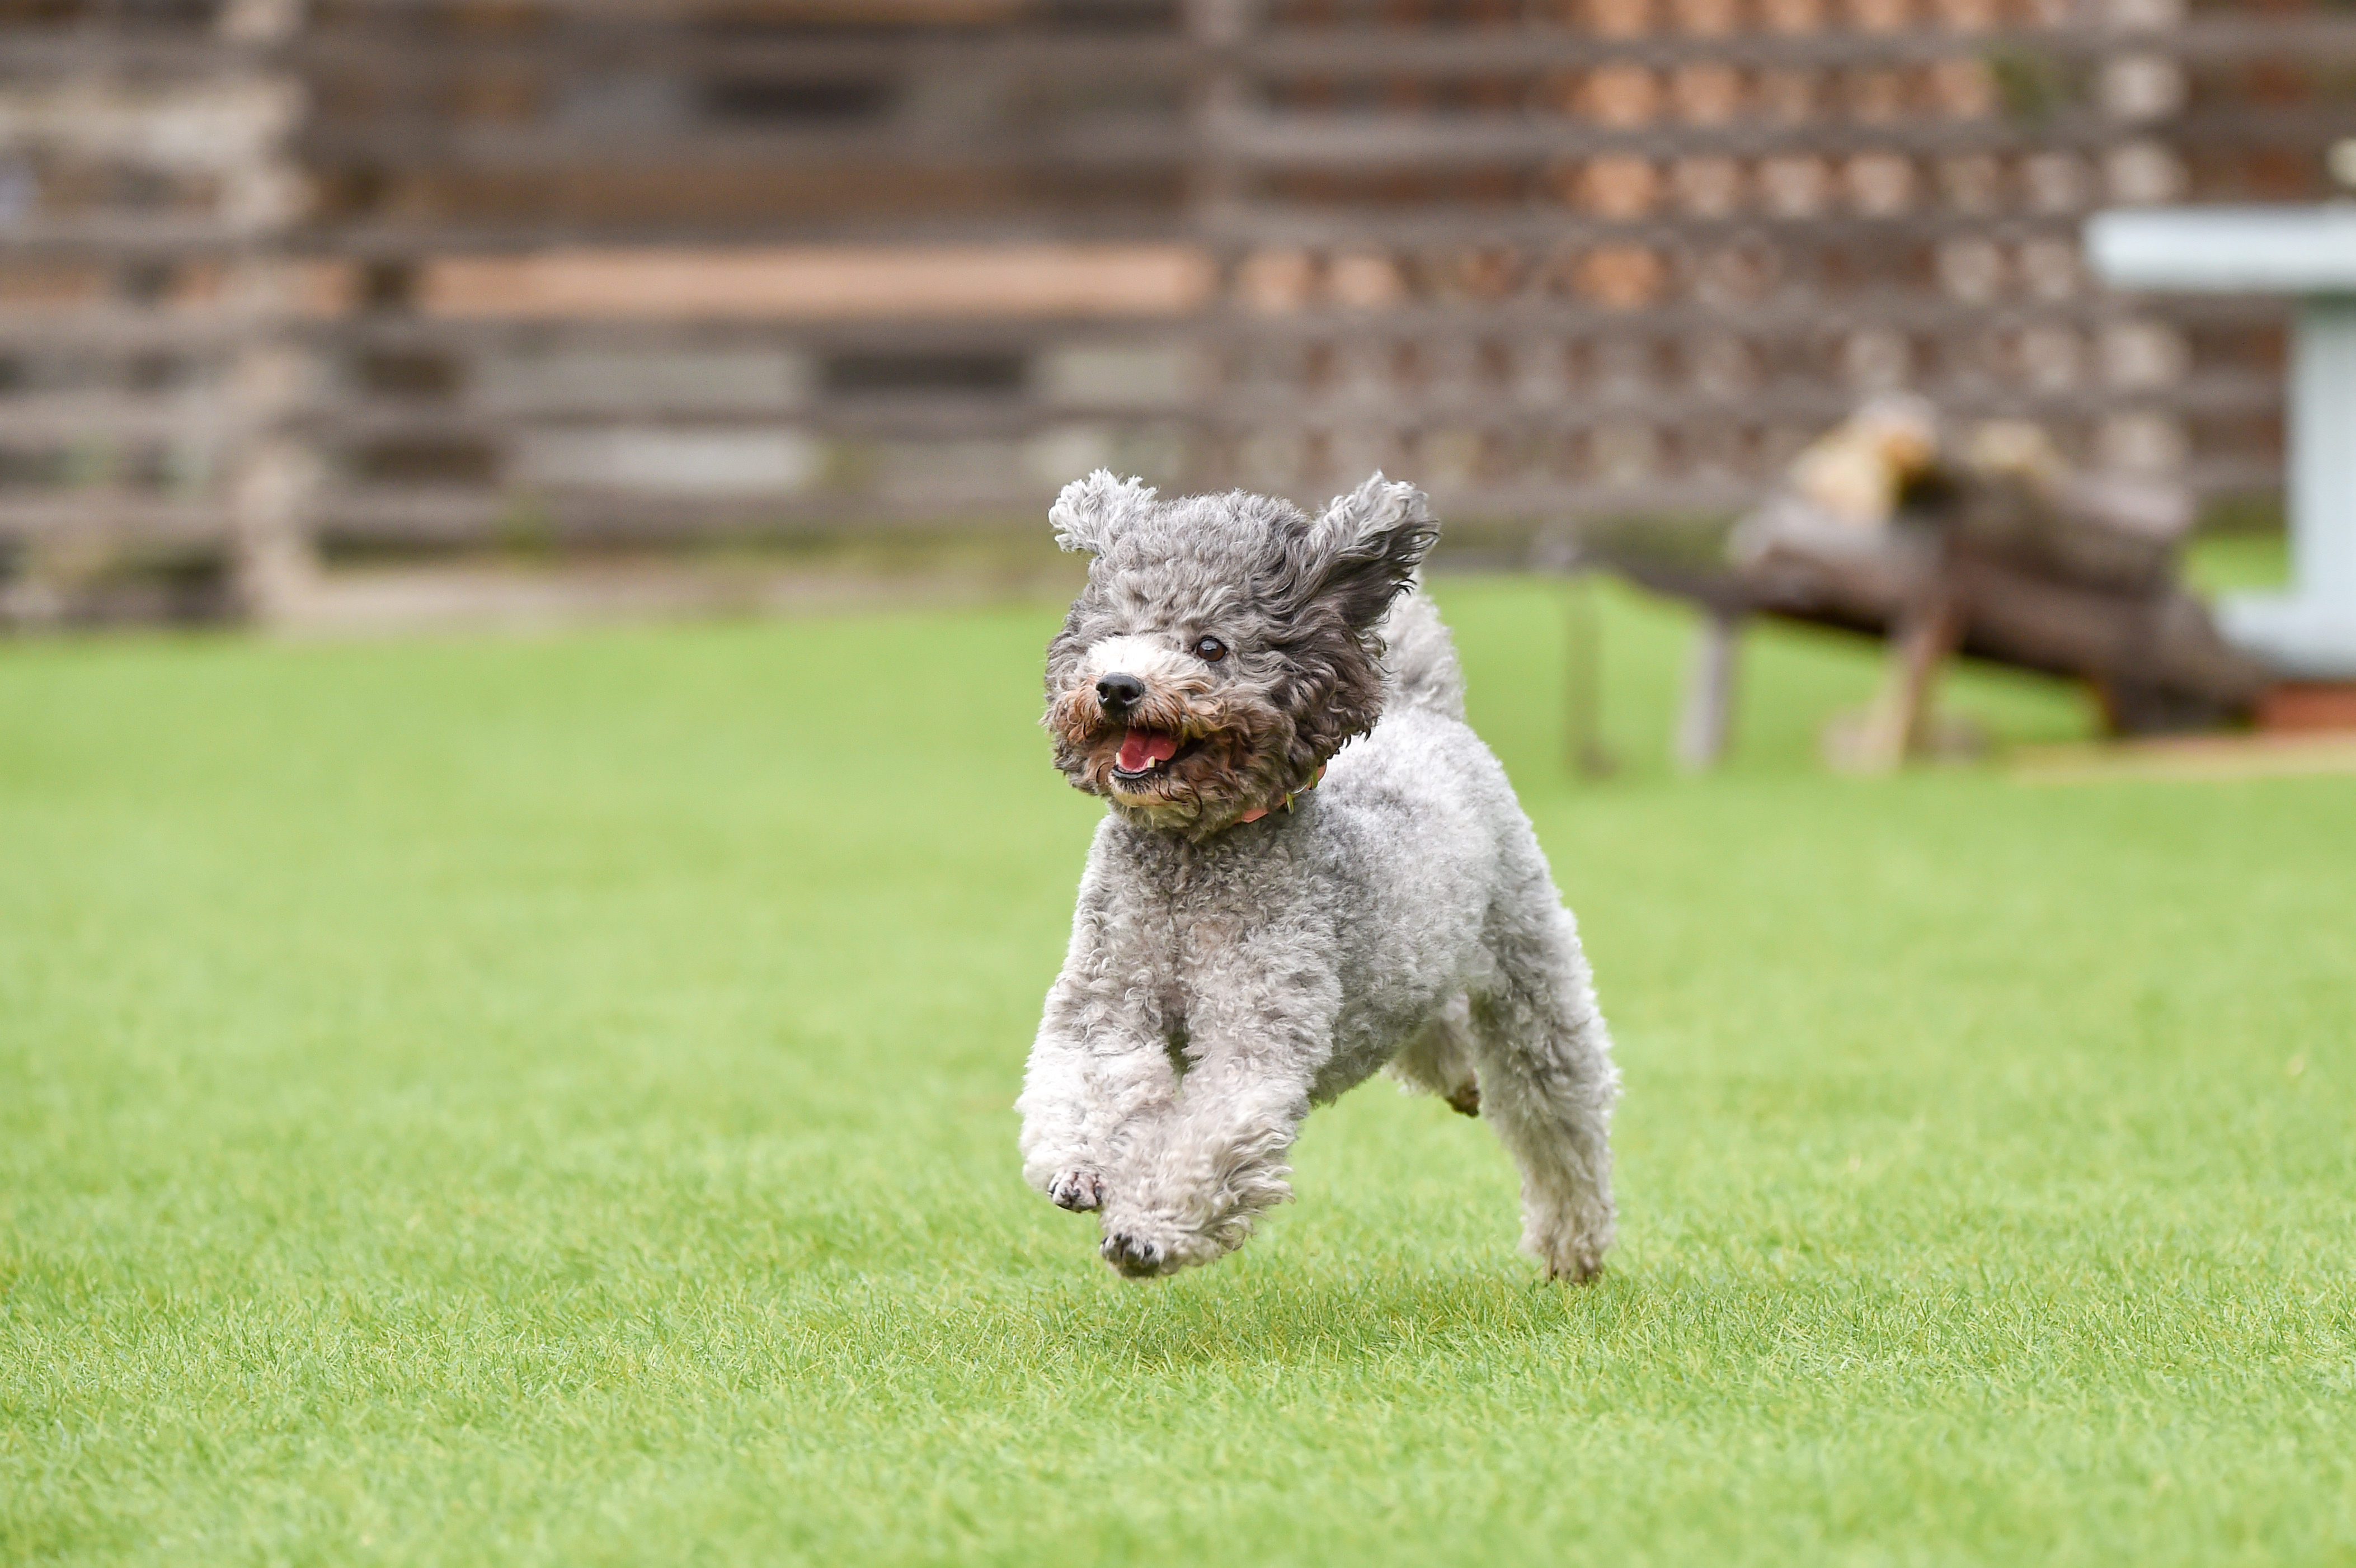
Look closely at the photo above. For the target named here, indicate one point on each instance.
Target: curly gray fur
(1243, 949)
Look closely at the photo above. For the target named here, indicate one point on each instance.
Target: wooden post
(1584, 681)
(1709, 715)
(275, 567)
(1218, 32)
(1920, 644)
(274, 475)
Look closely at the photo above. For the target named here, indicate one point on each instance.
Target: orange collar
(1257, 812)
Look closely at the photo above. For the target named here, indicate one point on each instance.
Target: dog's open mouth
(1147, 752)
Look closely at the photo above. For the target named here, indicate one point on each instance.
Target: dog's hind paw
(1574, 1259)
(1576, 1271)
(1133, 1256)
(1078, 1191)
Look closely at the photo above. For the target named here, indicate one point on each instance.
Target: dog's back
(1420, 668)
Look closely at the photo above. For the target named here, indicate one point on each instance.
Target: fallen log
(2002, 557)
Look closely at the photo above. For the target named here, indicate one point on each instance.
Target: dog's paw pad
(1466, 1100)
(1078, 1191)
(1136, 1258)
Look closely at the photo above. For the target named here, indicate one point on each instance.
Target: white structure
(2308, 251)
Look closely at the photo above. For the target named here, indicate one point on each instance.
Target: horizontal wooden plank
(390, 53)
(459, 518)
(1226, 224)
(1802, 314)
(390, 49)
(454, 519)
(1024, 221)
(102, 516)
(141, 48)
(395, 51)
(464, 518)
(1461, 226)
(1428, 52)
(1444, 141)
(112, 330)
(424, 142)
(478, 518)
(1524, 317)
(1040, 281)
(878, 15)
(360, 422)
(1775, 400)
(196, 417)
(1341, 52)
(1660, 499)
(137, 235)
(1265, 405)
(1275, 139)
(462, 336)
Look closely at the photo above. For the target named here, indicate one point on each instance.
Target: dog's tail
(1420, 668)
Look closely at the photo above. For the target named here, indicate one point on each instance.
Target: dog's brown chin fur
(1175, 793)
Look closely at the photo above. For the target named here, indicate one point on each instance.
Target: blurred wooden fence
(284, 285)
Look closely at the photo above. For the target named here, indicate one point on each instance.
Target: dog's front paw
(1078, 1191)
(1136, 1257)
(1572, 1252)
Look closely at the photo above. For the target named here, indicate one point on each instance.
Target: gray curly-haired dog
(1270, 914)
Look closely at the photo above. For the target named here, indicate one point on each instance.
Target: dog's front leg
(1097, 1065)
(1193, 1178)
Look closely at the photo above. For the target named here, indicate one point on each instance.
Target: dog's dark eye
(1210, 650)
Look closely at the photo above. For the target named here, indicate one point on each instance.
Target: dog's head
(1225, 645)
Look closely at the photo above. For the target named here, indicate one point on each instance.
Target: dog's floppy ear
(1366, 548)
(1092, 511)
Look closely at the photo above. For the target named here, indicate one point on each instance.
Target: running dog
(1312, 870)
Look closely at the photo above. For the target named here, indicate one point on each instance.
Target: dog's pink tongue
(1141, 749)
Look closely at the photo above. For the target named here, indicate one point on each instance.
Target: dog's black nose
(1119, 691)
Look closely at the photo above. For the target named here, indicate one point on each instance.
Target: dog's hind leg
(1439, 1060)
(1546, 1080)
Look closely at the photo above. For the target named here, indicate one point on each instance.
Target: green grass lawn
(506, 1101)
